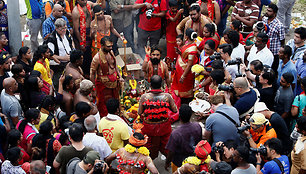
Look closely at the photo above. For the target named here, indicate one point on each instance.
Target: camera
(243, 128)
(262, 150)
(216, 55)
(218, 149)
(226, 87)
(149, 13)
(238, 61)
(99, 167)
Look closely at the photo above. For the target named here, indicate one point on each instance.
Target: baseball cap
(260, 106)
(3, 57)
(258, 119)
(91, 157)
(221, 167)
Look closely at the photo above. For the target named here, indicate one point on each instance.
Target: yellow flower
(192, 160)
(144, 151)
(197, 68)
(208, 159)
(130, 148)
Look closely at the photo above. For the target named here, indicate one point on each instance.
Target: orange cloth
(48, 8)
(261, 137)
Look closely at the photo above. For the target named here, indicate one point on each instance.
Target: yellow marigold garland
(192, 160)
(144, 151)
(131, 149)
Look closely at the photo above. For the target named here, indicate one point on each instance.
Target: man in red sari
(105, 74)
(183, 80)
(152, 65)
(153, 108)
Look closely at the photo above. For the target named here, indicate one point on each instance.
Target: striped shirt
(276, 34)
(243, 10)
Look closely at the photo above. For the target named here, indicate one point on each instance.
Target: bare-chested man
(100, 27)
(74, 69)
(85, 94)
(81, 18)
(153, 108)
(196, 21)
(67, 105)
(105, 74)
(134, 157)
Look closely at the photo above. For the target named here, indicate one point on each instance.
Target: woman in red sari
(183, 80)
(209, 33)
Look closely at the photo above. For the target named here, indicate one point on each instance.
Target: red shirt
(154, 23)
(171, 26)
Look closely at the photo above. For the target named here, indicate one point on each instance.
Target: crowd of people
(61, 101)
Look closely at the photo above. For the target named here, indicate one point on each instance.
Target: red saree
(185, 89)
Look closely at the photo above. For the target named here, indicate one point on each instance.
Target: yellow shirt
(43, 117)
(45, 71)
(115, 132)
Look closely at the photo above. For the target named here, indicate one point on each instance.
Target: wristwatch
(122, 6)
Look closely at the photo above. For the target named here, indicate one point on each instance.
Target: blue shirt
(271, 167)
(297, 53)
(288, 67)
(216, 124)
(34, 10)
(48, 25)
(246, 101)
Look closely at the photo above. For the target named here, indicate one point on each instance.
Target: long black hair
(22, 51)
(38, 54)
(40, 140)
(31, 114)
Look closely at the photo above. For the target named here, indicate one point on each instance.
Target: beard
(155, 61)
(106, 50)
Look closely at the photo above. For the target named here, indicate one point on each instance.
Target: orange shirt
(48, 8)
(261, 137)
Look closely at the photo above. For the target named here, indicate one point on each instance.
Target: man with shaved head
(247, 97)
(9, 103)
(48, 26)
(153, 109)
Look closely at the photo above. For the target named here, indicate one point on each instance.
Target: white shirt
(63, 48)
(264, 55)
(238, 52)
(98, 143)
(232, 70)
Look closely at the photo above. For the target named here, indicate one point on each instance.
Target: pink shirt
(29, 132)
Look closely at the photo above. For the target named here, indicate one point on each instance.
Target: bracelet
(249, 137)
(122, 6)
(258, 163)
(247, 69)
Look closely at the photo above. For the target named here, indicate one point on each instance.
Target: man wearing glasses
(247, 97)
(49, 24)
(260, 131)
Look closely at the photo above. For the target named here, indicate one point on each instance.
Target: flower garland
(192, 160)
(142, 150)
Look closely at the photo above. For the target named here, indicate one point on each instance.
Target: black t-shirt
(2, 78)
(27, 68)
(258, 85)
(281, 130)
(267, 96)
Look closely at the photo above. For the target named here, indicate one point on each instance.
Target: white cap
(260, 106)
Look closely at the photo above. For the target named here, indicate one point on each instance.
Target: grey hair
(85, 85)
(60, 22)
(90, 123)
